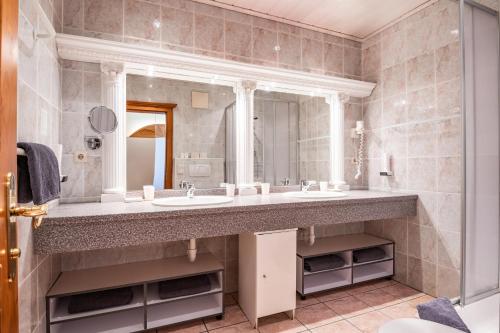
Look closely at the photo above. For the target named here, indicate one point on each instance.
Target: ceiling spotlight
(157, 24)
(277, 48)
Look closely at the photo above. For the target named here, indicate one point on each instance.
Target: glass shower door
(480, 260)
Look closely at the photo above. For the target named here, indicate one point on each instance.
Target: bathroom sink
(202, 200)
(314, 195)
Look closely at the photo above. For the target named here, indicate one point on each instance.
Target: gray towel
(184, 286)
(366, 255)
(441, 311)
(322, 263)
(38, 174)
(100, 300)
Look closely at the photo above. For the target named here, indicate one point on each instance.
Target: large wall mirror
(291, 138)
(179, 136)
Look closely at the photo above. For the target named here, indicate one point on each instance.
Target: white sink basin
(314, 195)
(202, 200)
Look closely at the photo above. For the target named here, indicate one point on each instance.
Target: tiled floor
(363, 308)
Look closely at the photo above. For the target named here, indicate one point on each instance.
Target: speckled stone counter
(87, 226)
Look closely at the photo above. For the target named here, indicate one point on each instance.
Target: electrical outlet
(80, 156)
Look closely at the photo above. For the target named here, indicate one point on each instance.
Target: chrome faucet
(285, 182)
(305, 185)
(190, 190)
(183, 184)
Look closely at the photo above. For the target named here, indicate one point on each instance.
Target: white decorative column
(337, 105)
(113, 155)
(244, 91)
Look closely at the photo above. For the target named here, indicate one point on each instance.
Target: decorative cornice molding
(178, 63)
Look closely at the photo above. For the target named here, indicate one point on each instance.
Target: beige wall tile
(423, 242)
(104, 16)
(264, 42)
(238, 39)
(177, 26)
(209, 33)
(143, 20)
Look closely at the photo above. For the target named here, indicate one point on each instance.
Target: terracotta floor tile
(349, 306)
(229, 300)
(404, 292)
(280, 323)
(378, 298)
(342, 326)
(233, 315)
(402, 310)
(371, 285)
(420, 300)
(370, 322)
(191, 327)
(331, 295)
(316, 315)
(310, 300)
(238, 328)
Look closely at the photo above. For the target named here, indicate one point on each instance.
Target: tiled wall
(39, 116)
(202, 29)
(414, 115)
(81, 91)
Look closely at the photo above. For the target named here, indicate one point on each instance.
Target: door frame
(9, 309)
(167, 109)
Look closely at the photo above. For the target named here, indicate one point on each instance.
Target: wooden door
(8, 109)
(276, 274)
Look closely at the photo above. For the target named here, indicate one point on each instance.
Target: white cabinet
(267, 273)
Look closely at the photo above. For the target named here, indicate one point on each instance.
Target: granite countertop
(85, 226)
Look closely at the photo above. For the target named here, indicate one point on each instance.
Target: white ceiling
(356, 18)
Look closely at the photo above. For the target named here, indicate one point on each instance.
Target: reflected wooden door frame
(167, 109)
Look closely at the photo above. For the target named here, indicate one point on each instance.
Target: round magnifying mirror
(103, 120)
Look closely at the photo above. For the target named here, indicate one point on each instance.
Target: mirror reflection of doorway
(149, 145)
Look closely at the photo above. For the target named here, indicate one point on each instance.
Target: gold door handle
(35, 212)
(15, 253)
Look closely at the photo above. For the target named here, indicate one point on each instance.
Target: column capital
(338, 96)
(247, 85)
(112, 68)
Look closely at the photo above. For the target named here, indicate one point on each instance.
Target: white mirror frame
(118, 59)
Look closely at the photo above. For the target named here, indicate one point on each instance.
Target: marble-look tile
(420, 71)
(264, 43)
(92, 89)
(209, 33)
(179, 4)
(316, 315)
(352, 61)
(72, 132)
(372, 59)
(372, 114)
(449, 246)
(449, 137)
(27, 113)
(370, 322)
(378, 298)
(401, 267)
(92, 176)
(403, 292)
(234, 16)
(448, 62)
(448, 98)
(28, 304)
(394, 80)
(420, 36)
(402, 310)
(422, 173)
(332, 39)
(422, 138)
(397, 231)
(204, 9)
(44, 281)
(394, 141)
(289, 29)
(290, 50)
(395, 110)
(74, 170)
(426, 209)
(423, 242)
(349, 306)
(331, 295)
(104, 16)
(142, 20)
(238, 39)
(177, 26)
(72, 91)
(421, 104)
(312, 34)
(312, 54)
(448, 282)
(446, 28)
(393, 48)
(264, 23)
(422, 275)
(449, 174)
(73, 14)
(448, 210)
(334, 58)
(245, 327)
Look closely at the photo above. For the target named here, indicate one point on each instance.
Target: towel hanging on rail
(38, 177)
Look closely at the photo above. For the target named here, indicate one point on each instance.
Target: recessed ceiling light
(157, 24)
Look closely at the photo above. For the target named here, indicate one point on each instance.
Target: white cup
(323, 186)
(264, 187)
(149, 192)
(230, 189)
